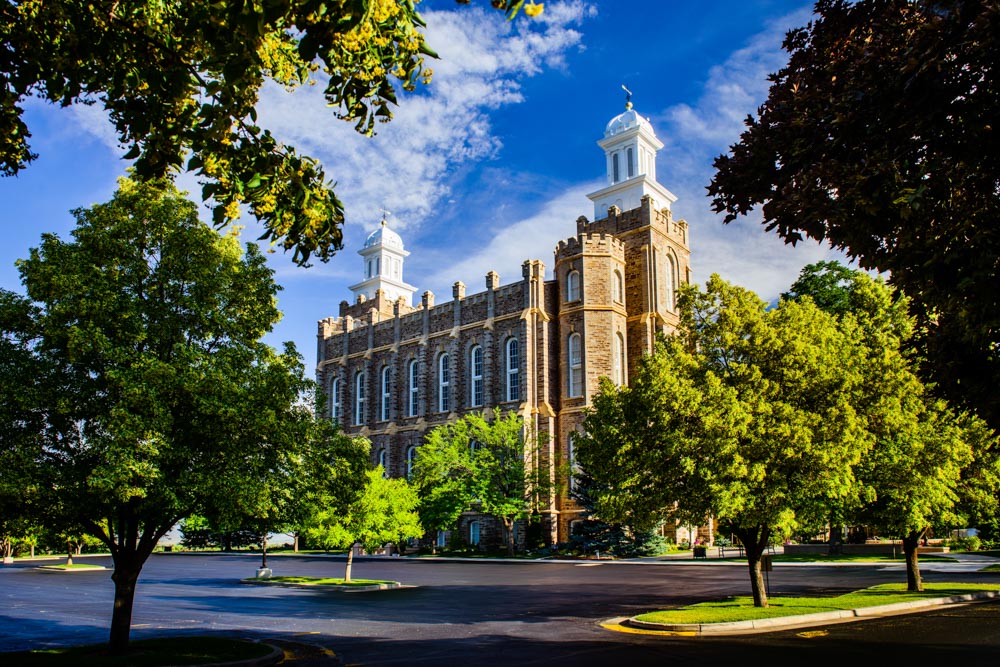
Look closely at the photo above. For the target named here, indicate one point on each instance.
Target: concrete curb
(804, 620)
(70, 570)
(327, 587)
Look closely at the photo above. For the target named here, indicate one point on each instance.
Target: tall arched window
(444, 383)
(631, 162)
(513, 370)
(573, 286)
(615, 173)
(414, 388)
(476, 377)
(359, 398)
(618, 359)
(575, 349)
(386, 395)
(617, 287)
(335, 400)
(411, 459)
(571, 461)
(671, 286)
(384, 462)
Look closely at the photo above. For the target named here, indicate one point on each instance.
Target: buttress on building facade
(394, 370)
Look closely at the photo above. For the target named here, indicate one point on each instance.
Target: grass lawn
(74, 566)
(146, 653)
(991, 568)
(854, 558)
(742, 609)
(320, 581)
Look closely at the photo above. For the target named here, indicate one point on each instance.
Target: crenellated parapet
(586, 243)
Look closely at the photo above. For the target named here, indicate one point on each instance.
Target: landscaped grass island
(334, 583)
(741, 608)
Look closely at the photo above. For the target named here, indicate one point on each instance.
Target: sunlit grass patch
(742, 609)
(327, 581)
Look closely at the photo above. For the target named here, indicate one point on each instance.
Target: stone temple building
(393, 370)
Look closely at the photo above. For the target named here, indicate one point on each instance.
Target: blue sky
(491, 163)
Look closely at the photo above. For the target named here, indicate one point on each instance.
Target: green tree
(180, 82)
(914, 476)
(878, 136)
(385, 511)
(475, 464)
(159, 400)
(747, 414)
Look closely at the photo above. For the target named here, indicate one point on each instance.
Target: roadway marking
(812, 634)
(615, 625)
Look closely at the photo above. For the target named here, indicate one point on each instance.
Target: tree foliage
(748, 415)
(928, 464)
(180, 81)
(878, 136)
(476, 464)
(384, 511)
(151, 397)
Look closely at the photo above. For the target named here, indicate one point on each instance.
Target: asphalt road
(483, 613)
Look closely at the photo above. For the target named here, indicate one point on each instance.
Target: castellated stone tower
(537, 347)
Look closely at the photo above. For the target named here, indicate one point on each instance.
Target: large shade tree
(926, 459)
(180, 82)
(747, 414)
(477, 464)
(152, 397)
(879, 136)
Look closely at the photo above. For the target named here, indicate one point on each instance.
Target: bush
(971, 543)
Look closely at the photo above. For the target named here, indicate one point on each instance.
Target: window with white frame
(618, 359)
(571, 460)
(631, 162)
(476, 377)
(411, 459)
(444, 383)
(671, 286)
(617, 287)
(335, 400)
(414, 388)
(513, 370)
(383, 462)
(359, 398)
(575, 356)
(386, 395)
(442, 539)
(615, 171)
(573, 286)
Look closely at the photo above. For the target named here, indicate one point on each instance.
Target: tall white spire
(630, 147)
(382, 259)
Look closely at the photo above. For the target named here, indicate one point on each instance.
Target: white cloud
(534, 237)
(742, 251)
(406, 166)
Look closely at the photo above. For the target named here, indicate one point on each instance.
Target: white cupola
(382, 257)
(630, 147)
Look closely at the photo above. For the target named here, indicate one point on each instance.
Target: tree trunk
(350, 561)
(754, 542)
(509, 527)
(125, 576)
(911, 541)
(295, 542)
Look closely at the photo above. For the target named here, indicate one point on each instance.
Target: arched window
(618, 359)
(442, 538)
(413, 382)
(386, 395)
(444, 383)
(474, 533)
(571, 461)
(671, 269)
(359, 398)
(474, 446)
(335, 400)
(615, 173)
(513, 369)
(575, 349)
(411, 458)
(631, 163)
(617, 287)
(573, 286)
(476, 377)
(383, 461)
